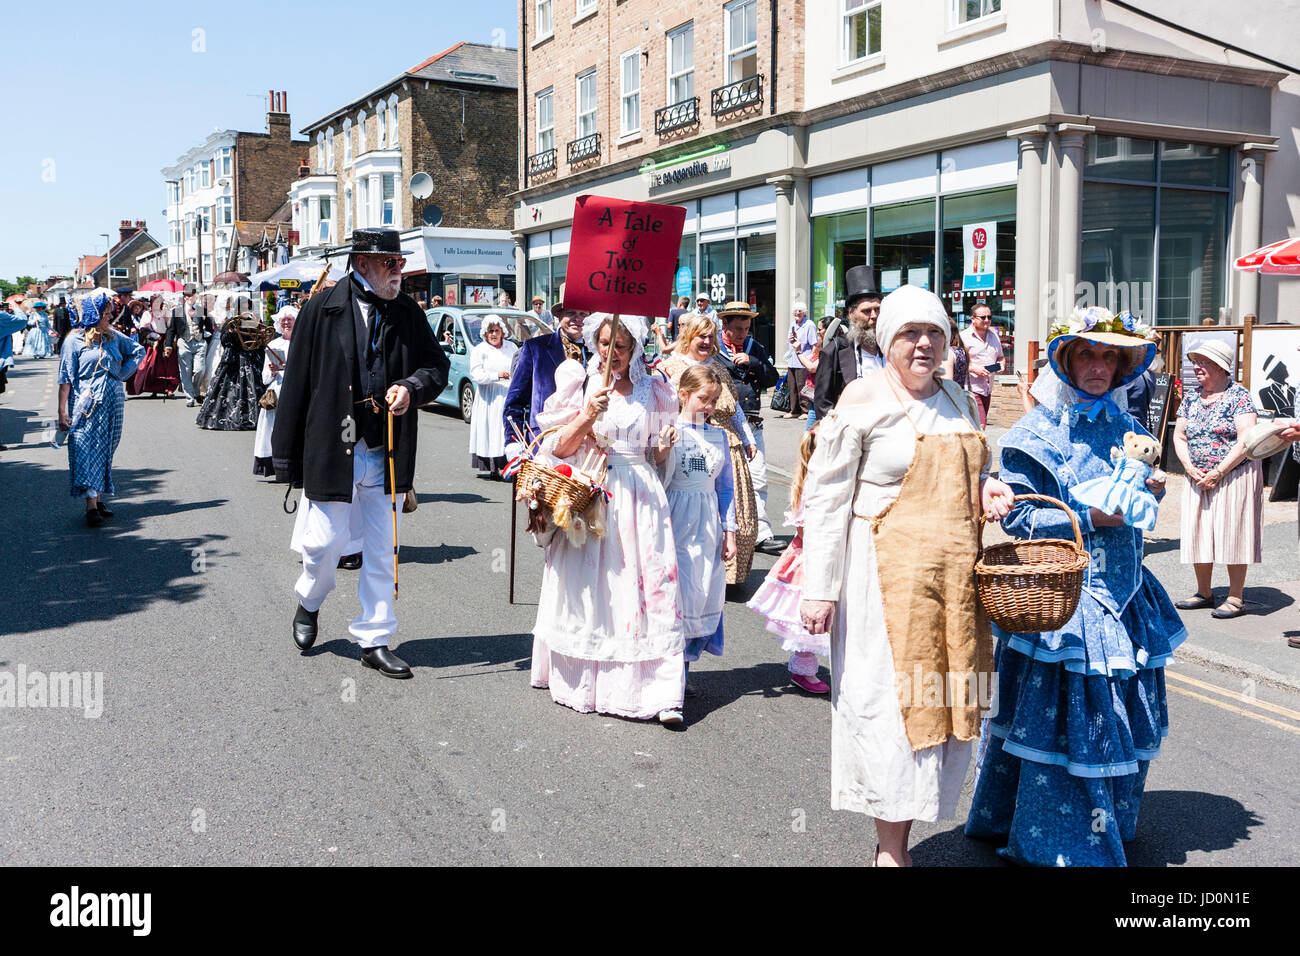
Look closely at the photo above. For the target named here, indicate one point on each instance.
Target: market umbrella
(306, 271)
(1280, 258)
(231, 278)
(162, 285)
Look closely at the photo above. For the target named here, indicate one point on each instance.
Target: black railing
(543, 162)
(678, 115)
(737, 96)
(584, 147)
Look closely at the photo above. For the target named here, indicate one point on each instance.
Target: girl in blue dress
(1079, 712)
(93, 364)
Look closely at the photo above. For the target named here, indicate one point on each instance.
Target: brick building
(232, 175)
(452, 117)
(121, 267)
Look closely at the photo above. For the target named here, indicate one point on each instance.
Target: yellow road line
(1236, 710)
(1261, 704)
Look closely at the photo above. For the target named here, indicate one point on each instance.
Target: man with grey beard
(848, 357)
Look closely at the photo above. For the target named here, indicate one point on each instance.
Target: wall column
(1029, 287)
(1252, 209)
(785, 245)
(1072, 137)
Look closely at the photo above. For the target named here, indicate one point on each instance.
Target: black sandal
(1194, 603)
(1231, 607)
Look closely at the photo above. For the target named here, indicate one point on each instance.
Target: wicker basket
(554, 487)
(1031, 586)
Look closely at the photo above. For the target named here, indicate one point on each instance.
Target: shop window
(718, 271)
(861, 29)
(1121, 157)
(1194, 164)
(902, 243)
(742, 40)
(681, 63)
(1116, 267)
(989, 218)
(1190, 275)
(839, 244)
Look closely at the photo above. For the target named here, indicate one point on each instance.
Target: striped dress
(1224, 524)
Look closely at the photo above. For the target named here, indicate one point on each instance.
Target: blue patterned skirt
(1079, 714)
(92, 441)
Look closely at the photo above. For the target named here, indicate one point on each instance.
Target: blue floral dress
(95, 402)
(1079, 712)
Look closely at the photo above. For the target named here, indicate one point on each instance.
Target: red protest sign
(622, 256)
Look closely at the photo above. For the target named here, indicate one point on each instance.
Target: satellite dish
(421, 185)
(431, 216)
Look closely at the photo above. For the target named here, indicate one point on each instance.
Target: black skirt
(231, 402)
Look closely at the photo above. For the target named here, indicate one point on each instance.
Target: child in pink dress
(777, 598)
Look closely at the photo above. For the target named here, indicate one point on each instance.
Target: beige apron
(926, 543)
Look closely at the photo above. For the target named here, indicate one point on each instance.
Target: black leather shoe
(94, 519)
(350, 562)
(385, 661)
(103, 511)
(304, 628)
(770, 546)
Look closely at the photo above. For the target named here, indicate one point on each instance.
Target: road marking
(1261, 704)
(1236, 710)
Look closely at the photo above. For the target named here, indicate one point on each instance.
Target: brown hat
(736, 307)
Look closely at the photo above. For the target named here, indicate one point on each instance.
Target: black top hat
(859, 282)
(377, 242)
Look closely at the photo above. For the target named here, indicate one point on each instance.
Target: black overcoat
(837, 367)
(315, 417)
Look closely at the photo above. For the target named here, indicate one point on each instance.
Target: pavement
(219, 743)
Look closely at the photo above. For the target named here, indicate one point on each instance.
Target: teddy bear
(1124, 491)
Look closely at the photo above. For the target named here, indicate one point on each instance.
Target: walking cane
(392, 491)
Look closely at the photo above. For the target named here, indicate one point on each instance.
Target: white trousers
(327, 530)
(758, 475)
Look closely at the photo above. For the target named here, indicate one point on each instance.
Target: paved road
(219, 743)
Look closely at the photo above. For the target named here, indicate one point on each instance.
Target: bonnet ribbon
(1090, 406)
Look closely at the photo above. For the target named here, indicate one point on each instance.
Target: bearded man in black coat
(360, 349)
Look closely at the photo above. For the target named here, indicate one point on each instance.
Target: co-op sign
(689, 171)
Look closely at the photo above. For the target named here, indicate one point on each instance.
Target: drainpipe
(772, 98)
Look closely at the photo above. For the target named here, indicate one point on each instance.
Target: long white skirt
(608, 636)
(874, 769)
(487, 429)
(1226, 524)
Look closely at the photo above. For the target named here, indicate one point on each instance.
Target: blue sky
(100, 97)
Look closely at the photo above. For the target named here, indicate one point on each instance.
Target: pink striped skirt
(1225, 525)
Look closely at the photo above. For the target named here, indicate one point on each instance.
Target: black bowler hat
(377, 242)
(124, 290)
(859, 283)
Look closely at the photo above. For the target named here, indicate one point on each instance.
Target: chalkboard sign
(1158, 410)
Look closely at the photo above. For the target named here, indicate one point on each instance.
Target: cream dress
(862, 453)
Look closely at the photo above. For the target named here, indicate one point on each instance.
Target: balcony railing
(677, 116)
(737, 96)
(584, 147)
(543, 162)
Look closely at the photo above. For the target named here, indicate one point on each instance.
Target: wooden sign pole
(614, 327)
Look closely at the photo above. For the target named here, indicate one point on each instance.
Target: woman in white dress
(608, 637)
(277, 353)
(489, 367)
(891, 515)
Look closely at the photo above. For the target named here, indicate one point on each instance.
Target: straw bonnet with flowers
(1082, 705)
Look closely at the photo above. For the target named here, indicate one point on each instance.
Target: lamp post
(108, 262)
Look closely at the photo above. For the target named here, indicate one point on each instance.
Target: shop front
(944, 221)
(467, 267)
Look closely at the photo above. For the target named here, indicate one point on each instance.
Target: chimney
(125, 230)
(139, 224)
(277, 116)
